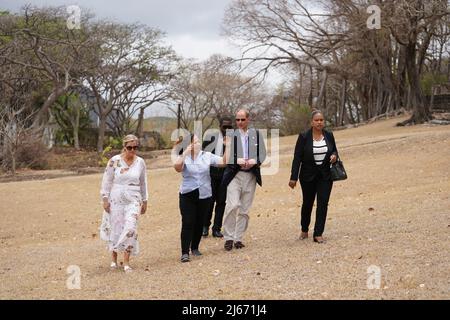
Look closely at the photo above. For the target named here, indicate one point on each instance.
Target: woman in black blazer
(314, 152)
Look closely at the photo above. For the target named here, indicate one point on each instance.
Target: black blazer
(209, 144)
(304, 157)
(256, 151)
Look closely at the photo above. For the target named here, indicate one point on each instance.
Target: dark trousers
(219, 195)
(193, 211)
(321, 188)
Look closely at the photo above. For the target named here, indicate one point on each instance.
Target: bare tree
(151, 91)
(191, 89)
(214, 88)
(15, 127)
(19, 89)
(383, 66)
(413, 26)
(129, 59)
(40, 42)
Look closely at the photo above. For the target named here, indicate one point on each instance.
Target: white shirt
(320, 150)
(196, 174)
(244, 140)
(117, 172)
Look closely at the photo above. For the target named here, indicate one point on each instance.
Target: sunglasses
(227, 127)
(240, 120)
(129, 148)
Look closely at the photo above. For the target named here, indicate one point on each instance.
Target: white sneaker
(113, 265)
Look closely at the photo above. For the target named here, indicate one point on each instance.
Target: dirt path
(393, 213)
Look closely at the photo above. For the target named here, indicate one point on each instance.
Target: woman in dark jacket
(314, 152)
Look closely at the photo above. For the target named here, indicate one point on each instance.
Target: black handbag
(337, 171)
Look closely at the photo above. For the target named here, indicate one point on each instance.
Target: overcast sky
(192, 26)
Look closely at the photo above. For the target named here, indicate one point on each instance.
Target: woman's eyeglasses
(240, 120)
(129, 148)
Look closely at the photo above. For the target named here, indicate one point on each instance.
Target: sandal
(127, 268)
(303, 235)
(319, 240)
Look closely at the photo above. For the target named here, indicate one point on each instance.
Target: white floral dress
(126, 188)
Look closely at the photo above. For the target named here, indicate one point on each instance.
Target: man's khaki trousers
(240, 194)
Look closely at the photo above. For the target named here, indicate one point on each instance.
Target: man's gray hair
(247, 113)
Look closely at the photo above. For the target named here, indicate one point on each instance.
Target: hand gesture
(226, 140)
(188, 150)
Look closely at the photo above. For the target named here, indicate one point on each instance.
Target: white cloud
(189, 46)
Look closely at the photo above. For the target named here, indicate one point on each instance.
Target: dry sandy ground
(393, 213)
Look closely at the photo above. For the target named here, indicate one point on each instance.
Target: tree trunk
(51, 99)
(448, 69)
(76, 128)
(140, 126)
(343, 100)
(421, 110)
(321, 96)
(310, 97)
(433, 91)
(350, 116)
(5, 152)
(101, 131)
(379, 96)
(76, 141)
(300, 89)
(402, 83)
(12, 153)
(13, 167)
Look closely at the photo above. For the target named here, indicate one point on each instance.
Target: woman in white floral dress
(124, 194)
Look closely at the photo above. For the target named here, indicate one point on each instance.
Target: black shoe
(196, 252)
(239, 245)
(228, 245)
(217, 234)
(205, 231)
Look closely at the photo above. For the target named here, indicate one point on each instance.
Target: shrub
(32, 153)
(104, 156)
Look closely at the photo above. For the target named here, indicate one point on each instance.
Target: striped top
(320, 150)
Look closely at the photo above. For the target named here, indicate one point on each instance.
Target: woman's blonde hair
(128, 138)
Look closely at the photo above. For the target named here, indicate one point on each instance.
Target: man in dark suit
(241, 176)
(214, 144)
